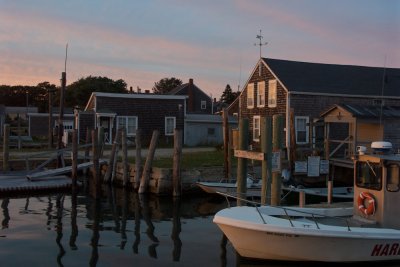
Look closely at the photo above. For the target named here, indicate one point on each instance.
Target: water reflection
(6, 215)
(151, 225)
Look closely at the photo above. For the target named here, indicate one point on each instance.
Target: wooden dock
(19, 183)
(64, 170)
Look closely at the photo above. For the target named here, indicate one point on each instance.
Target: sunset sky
(211, 41)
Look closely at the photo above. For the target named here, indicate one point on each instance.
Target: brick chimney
(190, 96)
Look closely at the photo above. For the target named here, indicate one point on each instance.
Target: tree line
(78, 93)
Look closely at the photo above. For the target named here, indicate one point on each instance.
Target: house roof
(181, 87)
(118, 95)
(304, 77)
(363, 111)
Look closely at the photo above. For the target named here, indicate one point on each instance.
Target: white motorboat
(338, 192)
(367, 231)
(253, 189)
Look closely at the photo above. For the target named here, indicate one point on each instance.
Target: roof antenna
(260, 43)
(383, 87)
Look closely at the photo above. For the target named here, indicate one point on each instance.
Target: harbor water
(122, 228)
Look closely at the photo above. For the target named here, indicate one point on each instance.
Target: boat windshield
(393, 177)
(369, 175)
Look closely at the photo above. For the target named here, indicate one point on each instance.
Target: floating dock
(19, 183)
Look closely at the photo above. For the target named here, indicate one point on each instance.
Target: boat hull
(284, 242)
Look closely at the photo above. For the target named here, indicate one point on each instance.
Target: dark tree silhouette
(165, 85)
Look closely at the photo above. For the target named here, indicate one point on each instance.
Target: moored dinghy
(369, 230)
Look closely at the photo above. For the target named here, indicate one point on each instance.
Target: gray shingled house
(147, 112)
(307, 90)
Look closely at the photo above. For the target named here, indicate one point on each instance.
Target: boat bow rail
(311, 214)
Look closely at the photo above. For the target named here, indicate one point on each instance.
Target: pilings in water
(144, 182)
(6, 143)
(277, 143)
(176, 165)
(242, 162)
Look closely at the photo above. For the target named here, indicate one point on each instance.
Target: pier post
(242, 162)
(225, 128)
(277, 121)
(6, 143)
(302, 199)
(144, 182)
(74, 157)
(330, 191)
(125, 164)
(266, 164)
(96, 167)
(176, 170)
(110, 167)
(138, 159)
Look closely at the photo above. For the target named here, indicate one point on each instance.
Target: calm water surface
(120, 229)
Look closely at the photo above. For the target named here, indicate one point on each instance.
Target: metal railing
(289, 212)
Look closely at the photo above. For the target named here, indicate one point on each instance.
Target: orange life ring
(370, 209)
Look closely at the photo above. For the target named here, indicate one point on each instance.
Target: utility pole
(61, 114)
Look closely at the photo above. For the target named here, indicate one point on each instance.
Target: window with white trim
(130, 123)
(250, 95)
(272, 93)
(256, 128)
(170, 124)
(261, 94)
(203, 104)
(301, 127)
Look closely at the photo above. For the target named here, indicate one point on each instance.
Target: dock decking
(19, 183)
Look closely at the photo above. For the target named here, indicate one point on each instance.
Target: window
(130, 123)
(301, 129)
(261, 94)
(250, 95)
(203, 104)
(369, 175)
(256, 128)
(393, 177)
(170, 124)
(272, 93)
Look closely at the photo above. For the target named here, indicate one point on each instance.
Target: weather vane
(260, 43)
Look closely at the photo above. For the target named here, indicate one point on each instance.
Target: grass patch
(192, 160)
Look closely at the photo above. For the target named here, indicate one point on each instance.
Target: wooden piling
(87, 141)
(242, 162)
(302, 198)
(149, 161)
(138, 159)
(6, 143)
(74, 157)
(100, 141)
(330, 192)
(277, 126)
(230, 145)
(96, 167)
(125, 164)
(225, 128)
(266, 164)
(110, 167)
(176, 170)
(50, 120)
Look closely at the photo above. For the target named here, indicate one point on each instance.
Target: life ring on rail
(370, 209)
